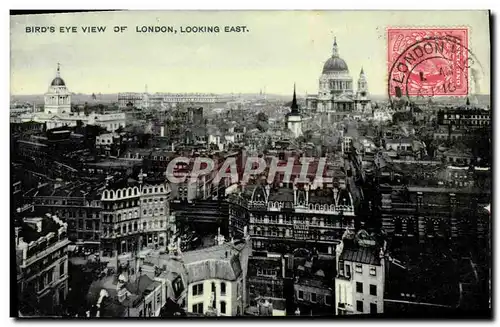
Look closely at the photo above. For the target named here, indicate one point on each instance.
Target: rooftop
(36, 227)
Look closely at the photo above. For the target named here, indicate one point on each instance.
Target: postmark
(425, 62)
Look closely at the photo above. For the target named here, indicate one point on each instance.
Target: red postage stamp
(427, 61)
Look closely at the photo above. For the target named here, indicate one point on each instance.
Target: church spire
(294, 106)
(335, 50)
(362, 71)
(58, 72)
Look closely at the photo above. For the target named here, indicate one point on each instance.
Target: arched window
(135, 226)
(129, 191)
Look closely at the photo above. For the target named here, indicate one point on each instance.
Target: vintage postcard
(251, 163)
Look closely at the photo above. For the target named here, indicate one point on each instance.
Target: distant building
(465, 116)
(58, 97)
(360, 281)
(335, 94)
(57, 110)
(42, 265)
(293, 118)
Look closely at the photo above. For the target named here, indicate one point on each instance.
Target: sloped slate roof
(366, 255)
(214, 269)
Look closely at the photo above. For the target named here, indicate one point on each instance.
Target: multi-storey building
(281, 219)
(132, 99)
(314, 284)
(216, 280)
(435, 215)
(206, 281)
(78, 204)
(42, 265)
(360, 280)
(134, 216)
(155, 215)
(136, 295)
(464, 117)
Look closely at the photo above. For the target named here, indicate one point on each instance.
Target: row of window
(198, 307)
(134, 227)
(151, 200)
(267, 272)
(313, 297)
(359, 307)
(373, 288)
(197, 289)
(120, 205)
(358, 268)
(46, 278)
(314, 221)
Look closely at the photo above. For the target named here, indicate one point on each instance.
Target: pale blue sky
(282, 47)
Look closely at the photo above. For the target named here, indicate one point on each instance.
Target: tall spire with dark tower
(294, 106)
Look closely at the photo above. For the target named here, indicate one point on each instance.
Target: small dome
(57, 82)
(335, 64)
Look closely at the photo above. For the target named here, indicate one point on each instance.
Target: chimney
(283, 266)
(17, 230)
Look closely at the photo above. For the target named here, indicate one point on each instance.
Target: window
(222, 307)
(359, 306)
(373, 290)
(348, 271)
(313, 297)
(198, 308)
(301, 295)
(328, 300)
(373, 271)
(61, 269)
(223, 288)
(197, 289)
(373, 308)
(359, 287)
(359, 268)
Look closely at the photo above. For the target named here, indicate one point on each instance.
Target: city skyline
(223, 63)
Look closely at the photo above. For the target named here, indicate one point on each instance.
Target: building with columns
(58, 97)
(57, 110)
(336, 93)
